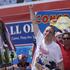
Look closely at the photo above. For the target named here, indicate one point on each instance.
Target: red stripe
(18, 13)
(16, 18)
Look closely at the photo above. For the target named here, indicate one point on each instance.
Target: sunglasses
(66, 38)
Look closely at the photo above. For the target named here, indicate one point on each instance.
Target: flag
(62, 23)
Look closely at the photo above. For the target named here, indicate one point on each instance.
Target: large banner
(44, 18)
(21, 32)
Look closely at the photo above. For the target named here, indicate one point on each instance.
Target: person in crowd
(65, 48)
(58, 37)
(48, 54)
(5, 36)
(5, 42)
(22, 62)
(63, 23)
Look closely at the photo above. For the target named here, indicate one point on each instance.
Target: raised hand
(32, 14)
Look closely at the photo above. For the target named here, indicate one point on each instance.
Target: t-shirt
(46, 55)
(66, 57)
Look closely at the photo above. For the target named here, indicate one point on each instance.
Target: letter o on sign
(45, 19)
(26, 28)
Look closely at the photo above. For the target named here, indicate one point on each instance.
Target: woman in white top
(48, 54)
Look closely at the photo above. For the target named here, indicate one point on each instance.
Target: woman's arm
(33, 19)
(7, 38)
